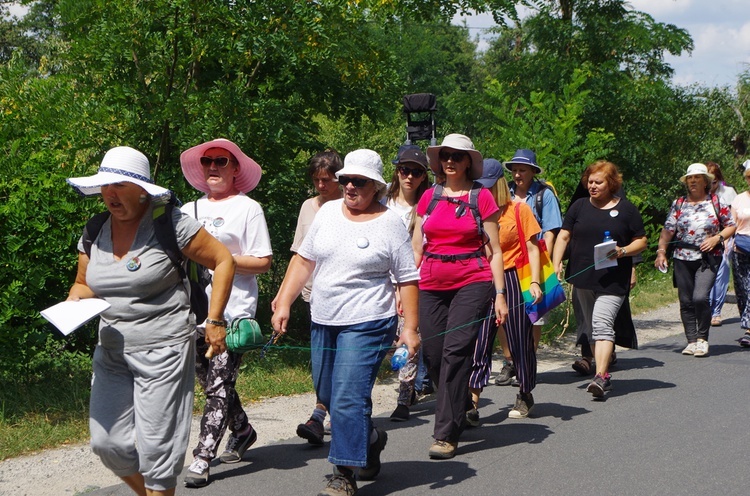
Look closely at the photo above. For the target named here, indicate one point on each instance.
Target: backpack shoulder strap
(437, 193)
(474, 206)
(165, 234)
(92, 229)
(717, 209)
(539, 201)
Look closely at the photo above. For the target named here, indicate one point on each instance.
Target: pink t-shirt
(444, 234)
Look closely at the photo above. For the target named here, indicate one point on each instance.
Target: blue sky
(720, 30)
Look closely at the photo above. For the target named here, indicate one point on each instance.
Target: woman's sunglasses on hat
(405, 171)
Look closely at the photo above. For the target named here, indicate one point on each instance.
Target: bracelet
(623, 251)
(220, 323)
(661, 250)
(534, 282)
(500, 292)
(721, 238)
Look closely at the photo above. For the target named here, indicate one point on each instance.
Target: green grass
(53, 412)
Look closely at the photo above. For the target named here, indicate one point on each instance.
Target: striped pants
(520, 340)
(741, 272)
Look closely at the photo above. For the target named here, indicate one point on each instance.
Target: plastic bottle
(400, 357)
(607, 237)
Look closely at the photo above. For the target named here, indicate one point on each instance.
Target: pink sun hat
(248, 174)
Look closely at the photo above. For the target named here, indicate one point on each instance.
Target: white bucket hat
(695, 169)
(120, 164)
(363, 162)
(456, 142)
(248, 174)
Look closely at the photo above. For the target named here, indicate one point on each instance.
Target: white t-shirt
(238, 222)
(404, 211)
(353, 263)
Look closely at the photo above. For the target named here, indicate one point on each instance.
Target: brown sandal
(582, 366)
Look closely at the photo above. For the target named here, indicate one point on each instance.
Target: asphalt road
(673, 424)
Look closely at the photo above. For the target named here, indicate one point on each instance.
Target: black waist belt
(453, 258)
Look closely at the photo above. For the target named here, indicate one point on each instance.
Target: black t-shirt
(586, 225)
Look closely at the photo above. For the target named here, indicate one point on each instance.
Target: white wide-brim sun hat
(363, 162)
(696, 169)
(120, 164)
(461, 143)
(248, 173)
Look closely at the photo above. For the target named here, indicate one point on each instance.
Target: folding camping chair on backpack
(420, 111)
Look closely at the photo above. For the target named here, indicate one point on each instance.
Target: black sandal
(582, 366)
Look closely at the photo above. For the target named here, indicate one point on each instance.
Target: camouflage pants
(223, 409)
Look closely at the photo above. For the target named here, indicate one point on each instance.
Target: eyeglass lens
(219, 161)
(405, 171)
(358, 182)
(455, 156)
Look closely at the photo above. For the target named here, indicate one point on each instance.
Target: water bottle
(400, 357)
(607, 237)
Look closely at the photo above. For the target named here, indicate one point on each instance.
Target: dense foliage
(576, 80)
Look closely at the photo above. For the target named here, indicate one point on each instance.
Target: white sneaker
(701, 348)
(690, 349)
(197, 473)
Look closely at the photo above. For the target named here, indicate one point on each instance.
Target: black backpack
(473, 206)
(197, 275)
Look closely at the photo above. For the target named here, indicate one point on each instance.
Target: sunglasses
(455, 156)
(220, 162)
(358, 182)
(405, 171)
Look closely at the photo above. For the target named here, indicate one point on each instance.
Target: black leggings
(694, 280)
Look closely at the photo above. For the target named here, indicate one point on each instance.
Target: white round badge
(614, 213)
(363, 243)
(218, 222)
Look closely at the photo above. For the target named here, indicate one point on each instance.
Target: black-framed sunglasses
(220, 162)
(455, 156)
(405, 171)
(358, 182)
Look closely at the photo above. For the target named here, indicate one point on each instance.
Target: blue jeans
(719, 290)
(345, 362)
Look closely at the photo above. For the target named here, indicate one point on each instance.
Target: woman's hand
(710, 244)
(280, 318)
(661, 262)
(536, 292)
(501, 309)
(409, 337)
(216, 336)
(560, 272)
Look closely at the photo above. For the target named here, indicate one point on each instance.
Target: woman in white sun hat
(461, 274)
(226, 174)
(142, 386)
(354, 246)
(697, 225)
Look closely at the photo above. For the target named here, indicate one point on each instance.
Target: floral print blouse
(694, 223)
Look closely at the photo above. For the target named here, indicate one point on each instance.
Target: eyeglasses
(220, 162)
(455, 156)
(405, 171)
(358, 182)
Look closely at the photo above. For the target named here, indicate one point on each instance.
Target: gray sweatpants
(599, 313)
(143, 397)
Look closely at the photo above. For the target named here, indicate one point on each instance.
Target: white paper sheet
(600, 255)
(68, 316)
